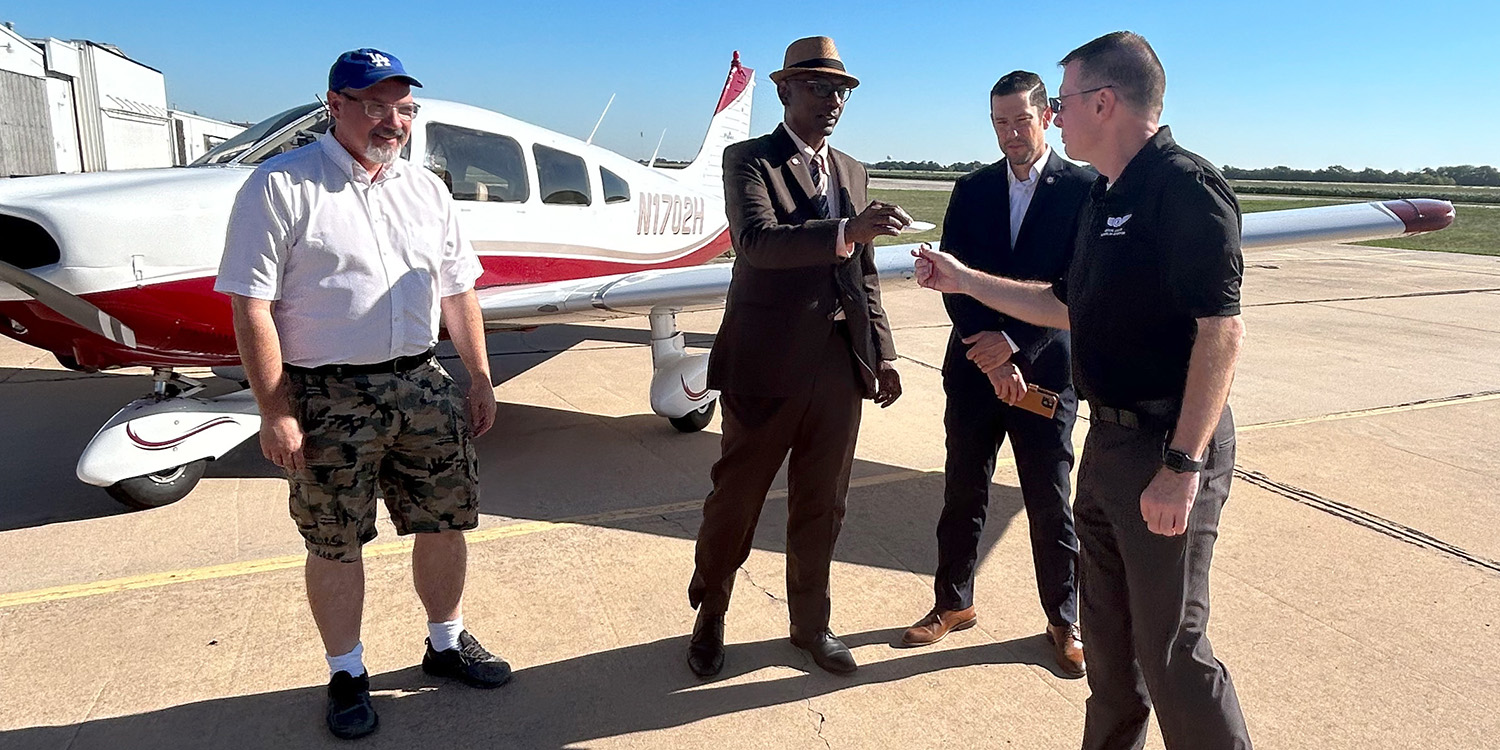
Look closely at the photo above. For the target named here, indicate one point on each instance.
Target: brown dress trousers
(790, 375)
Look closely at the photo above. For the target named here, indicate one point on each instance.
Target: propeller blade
(69, 305)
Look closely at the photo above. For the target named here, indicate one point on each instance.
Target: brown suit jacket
(788, 279)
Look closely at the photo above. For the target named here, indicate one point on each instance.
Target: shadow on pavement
(49, 416)
(607, 694)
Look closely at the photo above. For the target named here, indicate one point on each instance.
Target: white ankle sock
(444, 635)
(352, 662)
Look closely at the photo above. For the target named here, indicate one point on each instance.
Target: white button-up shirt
(356, 267)
(1022, 191)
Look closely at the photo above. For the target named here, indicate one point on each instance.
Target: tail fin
(731, 123)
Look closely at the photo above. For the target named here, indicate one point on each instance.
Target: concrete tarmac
(1356, 579)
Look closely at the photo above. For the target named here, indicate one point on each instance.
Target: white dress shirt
(357, 267)
(1021, 193)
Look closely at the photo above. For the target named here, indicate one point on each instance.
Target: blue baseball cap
(365, 67)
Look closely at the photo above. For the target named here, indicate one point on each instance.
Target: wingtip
(1421, 214)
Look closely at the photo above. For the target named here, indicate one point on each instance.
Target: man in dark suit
(803, 340)
(1014, 218)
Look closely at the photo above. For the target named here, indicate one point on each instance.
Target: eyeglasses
(1055, 103)
(381, 110)
(822, 87)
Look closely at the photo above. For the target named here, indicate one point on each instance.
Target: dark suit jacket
(976, 230)
(788, 280)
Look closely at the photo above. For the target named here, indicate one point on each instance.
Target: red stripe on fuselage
(503, 270)
(188, 324)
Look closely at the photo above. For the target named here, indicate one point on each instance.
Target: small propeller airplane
(116, 269)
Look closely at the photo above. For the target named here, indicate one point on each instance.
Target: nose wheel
(158, 489)
(696, 420)
(679, 389)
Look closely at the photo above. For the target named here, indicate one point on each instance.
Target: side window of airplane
(562, 177)
(616, 189)
(476, 165)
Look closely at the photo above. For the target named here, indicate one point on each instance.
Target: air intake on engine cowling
(25, 244)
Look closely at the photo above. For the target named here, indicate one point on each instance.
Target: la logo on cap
(379, 60)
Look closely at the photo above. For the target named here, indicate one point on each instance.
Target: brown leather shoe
(1067, 649)
(937, 623)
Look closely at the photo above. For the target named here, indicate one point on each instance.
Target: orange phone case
(1039, 401)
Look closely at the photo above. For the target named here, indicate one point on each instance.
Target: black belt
(389, 367)
(1146, 415)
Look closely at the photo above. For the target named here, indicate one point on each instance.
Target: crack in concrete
(685, 530)
(89, 712)
(758, 587)
(1365, 518)
(1368, 297)
(919, 362)
(821, 718)
(807, 687)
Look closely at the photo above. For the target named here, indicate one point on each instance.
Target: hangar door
(25, 135)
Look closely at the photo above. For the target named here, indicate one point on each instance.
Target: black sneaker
(469, 663)
(350, 713)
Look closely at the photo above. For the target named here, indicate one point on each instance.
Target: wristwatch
(1181, 462)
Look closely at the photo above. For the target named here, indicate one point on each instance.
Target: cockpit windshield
(295, 127)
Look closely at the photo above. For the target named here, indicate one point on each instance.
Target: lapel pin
(1051, 179)
(796, 161)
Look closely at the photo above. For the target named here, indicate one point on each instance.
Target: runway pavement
(1356, 588)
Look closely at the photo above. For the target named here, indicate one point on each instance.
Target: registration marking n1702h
(665, 213)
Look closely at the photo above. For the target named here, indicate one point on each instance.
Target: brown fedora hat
(814, 54)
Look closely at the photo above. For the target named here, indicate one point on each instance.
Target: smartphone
(1039, 401)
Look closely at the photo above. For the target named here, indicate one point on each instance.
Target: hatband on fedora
(814, 54)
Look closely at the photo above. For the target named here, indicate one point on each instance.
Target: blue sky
(1307, 84)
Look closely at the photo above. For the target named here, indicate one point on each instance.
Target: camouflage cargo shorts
(404, 436)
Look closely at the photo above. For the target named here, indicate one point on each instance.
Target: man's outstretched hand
(939, 270)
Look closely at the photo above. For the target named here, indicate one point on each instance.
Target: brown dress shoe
(1067, 649)
(938, 623)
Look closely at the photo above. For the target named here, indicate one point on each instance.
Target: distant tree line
(928, 166)
(1466, 174)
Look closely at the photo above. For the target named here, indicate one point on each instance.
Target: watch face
(1180, 462)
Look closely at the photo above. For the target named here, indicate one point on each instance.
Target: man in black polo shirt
(1152, 298)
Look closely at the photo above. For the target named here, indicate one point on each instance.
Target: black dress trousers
(1145, 599)
(977, 424)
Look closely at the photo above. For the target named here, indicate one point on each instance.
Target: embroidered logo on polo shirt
(1116, 225)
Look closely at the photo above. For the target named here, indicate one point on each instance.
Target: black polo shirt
(1154, 252)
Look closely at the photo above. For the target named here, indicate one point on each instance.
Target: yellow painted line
(251, 567)
(1377, 411)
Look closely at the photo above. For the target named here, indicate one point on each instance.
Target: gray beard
(382, 154)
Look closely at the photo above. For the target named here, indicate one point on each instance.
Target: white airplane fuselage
(144, 245)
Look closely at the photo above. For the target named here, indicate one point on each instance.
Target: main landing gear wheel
(694, 421)
(155, 490)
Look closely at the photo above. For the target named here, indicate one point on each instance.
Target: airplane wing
(705, 286)
(694, 288)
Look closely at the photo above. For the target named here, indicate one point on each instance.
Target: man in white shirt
(341, 259)
(1016, 218)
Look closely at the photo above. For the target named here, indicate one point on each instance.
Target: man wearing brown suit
(803, 340)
